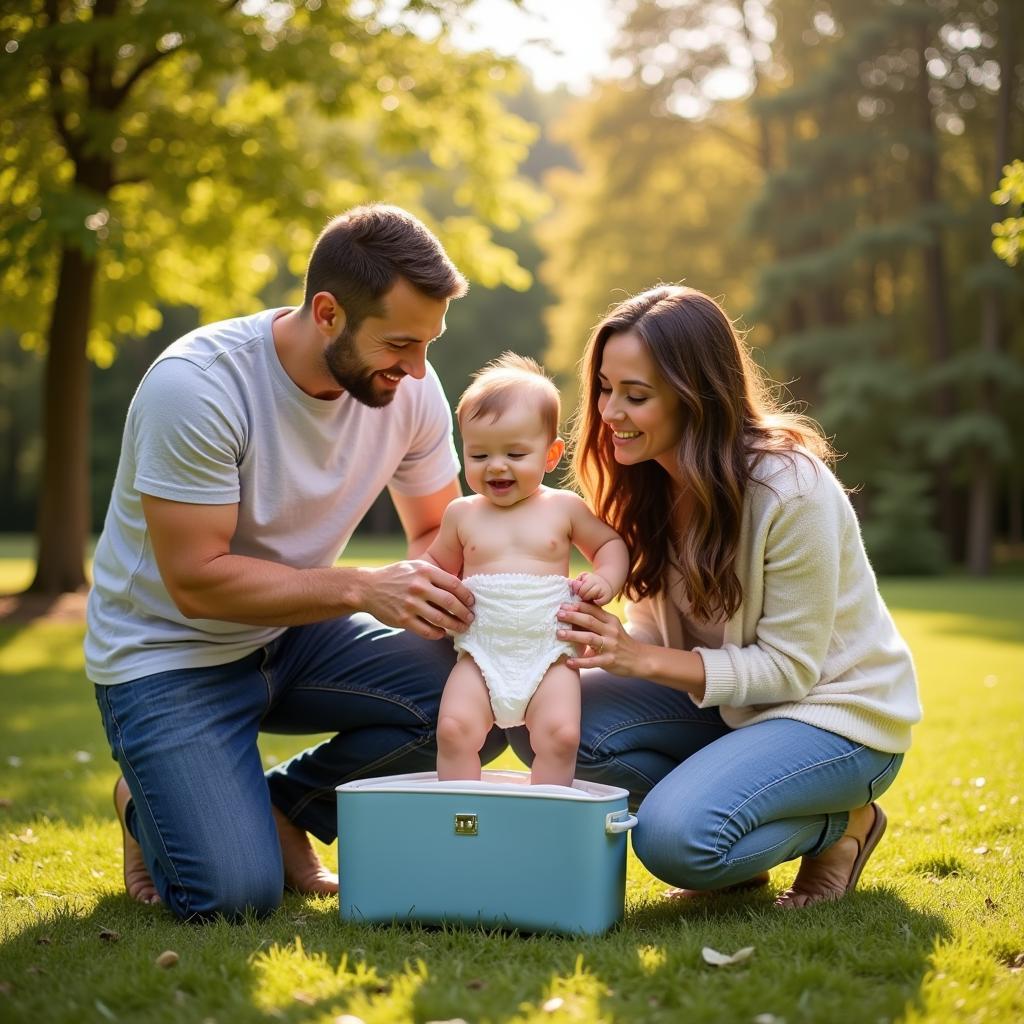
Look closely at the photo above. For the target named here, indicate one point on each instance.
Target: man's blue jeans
(717, 806)
(186, 742)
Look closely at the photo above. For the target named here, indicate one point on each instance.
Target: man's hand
(418, 596)
(589, 586)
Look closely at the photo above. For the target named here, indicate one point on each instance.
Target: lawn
(935, 933)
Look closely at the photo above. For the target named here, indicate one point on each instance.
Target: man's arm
(192, 546)
(421, 515)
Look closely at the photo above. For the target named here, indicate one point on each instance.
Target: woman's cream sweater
(812, 639)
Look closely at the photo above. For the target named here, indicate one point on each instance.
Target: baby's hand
(588, 586)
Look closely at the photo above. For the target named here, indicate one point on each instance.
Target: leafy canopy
(195, 148)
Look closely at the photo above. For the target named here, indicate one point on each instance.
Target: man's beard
(352, 374)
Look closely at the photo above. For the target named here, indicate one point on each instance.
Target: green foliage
(655, 199)
(196, 148)
(1009, 233)
(899, 536)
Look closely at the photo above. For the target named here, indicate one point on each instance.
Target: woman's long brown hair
(730, 420)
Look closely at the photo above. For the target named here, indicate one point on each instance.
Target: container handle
(615, 823)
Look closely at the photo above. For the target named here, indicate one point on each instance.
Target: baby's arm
(445, 550)
(603, 548)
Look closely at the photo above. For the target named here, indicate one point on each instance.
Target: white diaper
(512, 637)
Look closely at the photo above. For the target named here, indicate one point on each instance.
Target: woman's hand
(604, 642)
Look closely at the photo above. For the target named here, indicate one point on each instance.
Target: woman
(759, 699)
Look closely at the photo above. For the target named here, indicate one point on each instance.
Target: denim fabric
(186, 742)
(718, 806)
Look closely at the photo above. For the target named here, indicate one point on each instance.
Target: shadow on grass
(864, 959)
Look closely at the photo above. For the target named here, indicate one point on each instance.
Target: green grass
(936, 932)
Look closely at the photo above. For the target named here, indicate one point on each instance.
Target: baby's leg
(553, 719)
(463, 722)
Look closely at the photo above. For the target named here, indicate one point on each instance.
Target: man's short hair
(506, 381)
(361, 253)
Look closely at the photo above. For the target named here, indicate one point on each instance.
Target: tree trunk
(982, 501)
(62, 524)
(941, 343)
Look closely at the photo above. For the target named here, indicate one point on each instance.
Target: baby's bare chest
(542, 534)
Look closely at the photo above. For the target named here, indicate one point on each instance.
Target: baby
(510, 542)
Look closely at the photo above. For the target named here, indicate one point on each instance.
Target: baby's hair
(501, 384)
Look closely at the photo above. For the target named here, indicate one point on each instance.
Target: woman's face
(639, 407)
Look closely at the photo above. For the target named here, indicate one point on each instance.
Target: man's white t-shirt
(217, 420)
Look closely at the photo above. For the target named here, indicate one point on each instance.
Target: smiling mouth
(391, 378)
(500, 485)
(625, 435)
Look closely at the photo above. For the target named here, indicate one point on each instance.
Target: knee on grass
(233, 896)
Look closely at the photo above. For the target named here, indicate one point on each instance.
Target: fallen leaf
(349, 1018)
(768, 1018)
(554, 1003)
(304, 997)
(35, 969)
(168, 958)
(716, 959)
(82, 756)
(476, 983)
(14, 761)
(5, 802)
(991, 904)
(28, 836)
(980, 850)
(5, 988)
(109, 935)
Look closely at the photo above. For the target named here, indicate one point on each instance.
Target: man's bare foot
(137, 882)
(758, 881)
(303, 871)
(835, 872)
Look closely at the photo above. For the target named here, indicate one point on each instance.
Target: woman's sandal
(788, 900)
(682, 895)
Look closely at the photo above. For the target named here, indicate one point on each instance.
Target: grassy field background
(936, 932)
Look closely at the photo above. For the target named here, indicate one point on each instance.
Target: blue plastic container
(497, 853)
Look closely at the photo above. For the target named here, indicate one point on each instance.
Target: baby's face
(506, 459)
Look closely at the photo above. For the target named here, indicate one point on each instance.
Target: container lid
(491, 783)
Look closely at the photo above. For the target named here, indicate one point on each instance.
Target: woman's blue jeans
(717, 806)
(186, 742)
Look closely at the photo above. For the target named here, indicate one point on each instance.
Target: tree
(889, 174)
(183, 152)
(660, 189)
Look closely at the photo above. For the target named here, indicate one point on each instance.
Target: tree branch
(54, 70)
(121, 92)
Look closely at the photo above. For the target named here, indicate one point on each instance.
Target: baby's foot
(835, 872)
(303, 872)
(137, 881)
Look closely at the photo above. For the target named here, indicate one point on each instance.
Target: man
(251, 450)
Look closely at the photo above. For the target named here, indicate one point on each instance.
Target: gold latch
(465, 825)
